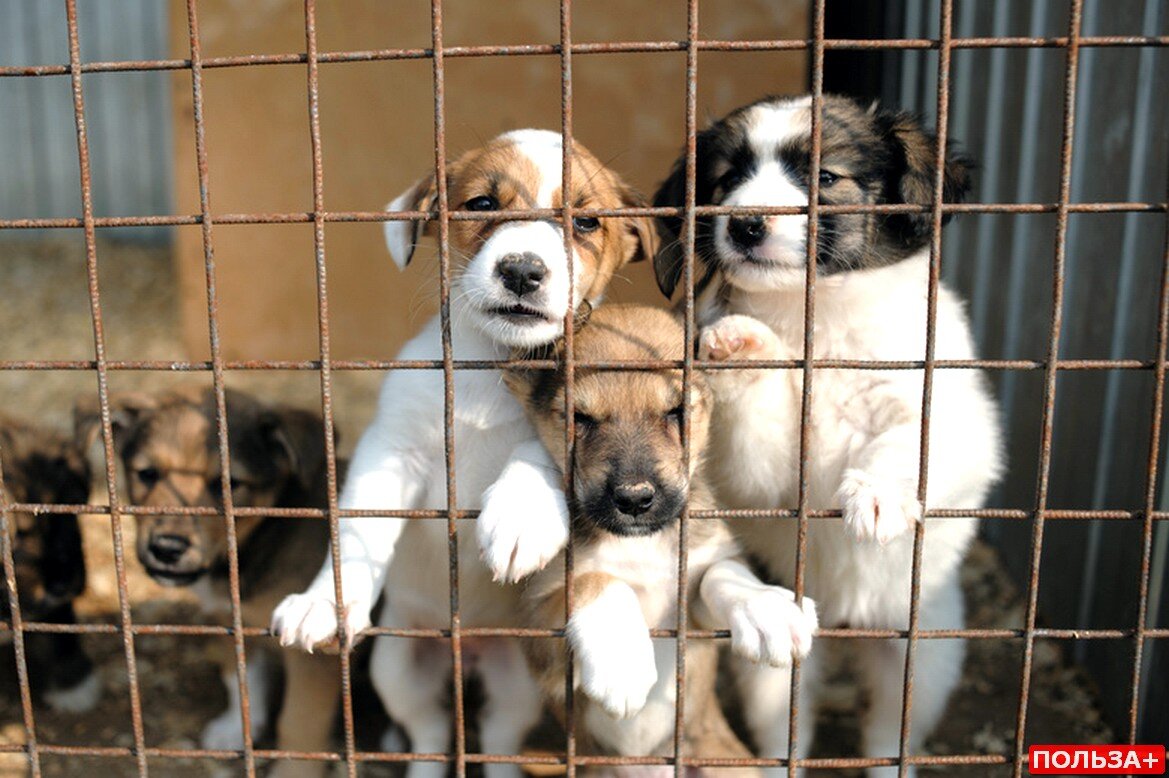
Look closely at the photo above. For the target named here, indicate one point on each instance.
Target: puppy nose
(521, 274)
(634, 499)
(167, 549)
(746, 231)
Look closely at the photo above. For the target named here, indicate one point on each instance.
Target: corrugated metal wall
(1007, 110)
(128, 114)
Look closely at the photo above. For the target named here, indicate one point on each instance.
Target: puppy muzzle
(172, 559)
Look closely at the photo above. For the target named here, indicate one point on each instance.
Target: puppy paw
(737, 337)
(770, 627)
(614, 653)
(521, 527)
(877, 509)
(310, 622)
(223, 733)
(620, 675)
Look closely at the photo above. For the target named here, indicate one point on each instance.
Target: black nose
(168, 549)
(634, 499)
(746, 231)
(521, 273)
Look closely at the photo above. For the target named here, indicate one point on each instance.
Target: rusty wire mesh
(816, 45)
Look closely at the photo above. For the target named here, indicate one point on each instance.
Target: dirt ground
(180, 690)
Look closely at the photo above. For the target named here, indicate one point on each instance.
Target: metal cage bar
(1075, 18)
(220, 391)
(107, 432)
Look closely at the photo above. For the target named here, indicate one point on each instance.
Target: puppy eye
(828, 178)
(585, 224)
(482, 203)
(674, 415)
(584, 422)
(215, 486)
(148, 476)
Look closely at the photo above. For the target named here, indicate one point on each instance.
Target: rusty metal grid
(565, 49)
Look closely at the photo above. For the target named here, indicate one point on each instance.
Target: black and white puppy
(871, 304)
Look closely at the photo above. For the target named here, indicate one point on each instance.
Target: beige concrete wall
(377, 137)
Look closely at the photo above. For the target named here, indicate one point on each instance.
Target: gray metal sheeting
(1007, 110)
(128, 114)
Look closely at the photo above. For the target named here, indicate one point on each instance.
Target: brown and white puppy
(509, 288)
(631, 483)
(170, 452)
(43, 467)
(864, 436)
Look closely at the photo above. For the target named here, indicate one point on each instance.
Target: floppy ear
(534, 385)
(402, 236)
(910, 177)
(126, 413)
(296, 439)
(641, 239)
(669, 257)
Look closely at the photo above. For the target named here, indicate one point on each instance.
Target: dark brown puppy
(43, 467)
(170, 451)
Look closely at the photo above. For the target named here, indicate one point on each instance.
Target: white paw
(737, 337)
(309, 622)
(223, 733)
(877, 509)
(521, 528)
(619, 676)
(769, 627)
(613, 650)
(82, 698)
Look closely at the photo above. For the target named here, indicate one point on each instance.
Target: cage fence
(937, 50)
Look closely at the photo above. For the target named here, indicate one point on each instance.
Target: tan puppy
(170, 452)
(630, 485)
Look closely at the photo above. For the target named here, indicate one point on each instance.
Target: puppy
(631, 483)
(42, 467)
(509, 289)
(170, 452)
(871, 303)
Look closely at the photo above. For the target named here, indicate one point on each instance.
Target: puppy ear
(126, 412)
(533, 385)
(910, 177)
(296, 439)
(402, 236)
(641, 239)
(669, 257)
